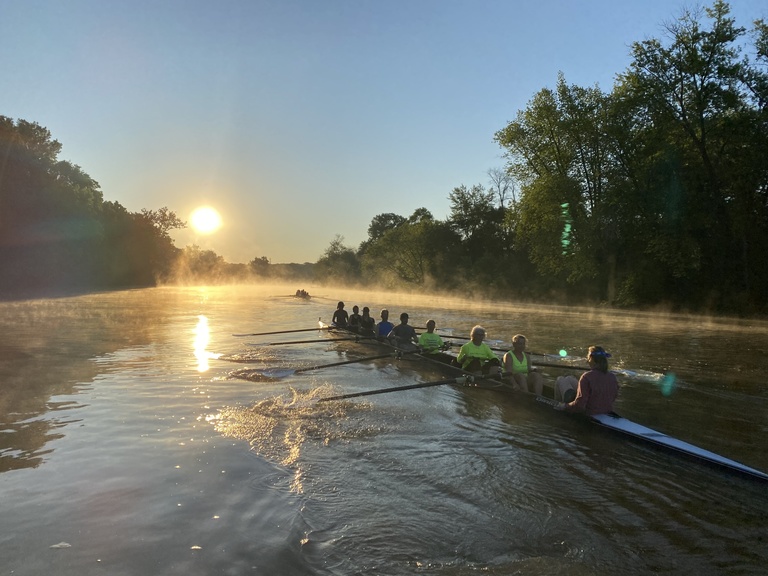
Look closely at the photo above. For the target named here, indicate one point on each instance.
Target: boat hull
(642, 433)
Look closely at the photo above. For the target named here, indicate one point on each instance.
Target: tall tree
(260, 266)
(559, 151)
(49, 213)
(695, 95)
(502, 185)
(338, 264)
(56, 230)
(420, 252)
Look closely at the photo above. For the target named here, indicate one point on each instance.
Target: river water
(138, 436)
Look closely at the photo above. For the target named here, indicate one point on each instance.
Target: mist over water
(138, 438)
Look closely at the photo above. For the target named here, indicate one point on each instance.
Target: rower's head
(518, 342)
(598, 358)
(431, 325)
(340, 306)
(385, 314)
(355, 309)
(404, 318)
(366, 311)
(477, 334)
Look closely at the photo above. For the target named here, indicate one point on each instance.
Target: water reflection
(202, 339)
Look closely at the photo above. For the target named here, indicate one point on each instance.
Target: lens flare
(566, 236)
(668, 383)
(563, 353)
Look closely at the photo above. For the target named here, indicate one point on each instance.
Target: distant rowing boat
(620, 425)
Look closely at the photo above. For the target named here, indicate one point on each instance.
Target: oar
(285, 372)
(464, 380)
(315, 341)
(284, 331)
(563, 366)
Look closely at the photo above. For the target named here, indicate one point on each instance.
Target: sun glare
(205, 220)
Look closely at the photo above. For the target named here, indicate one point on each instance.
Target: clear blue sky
(299, 120)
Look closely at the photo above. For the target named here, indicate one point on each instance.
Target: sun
(205, 220)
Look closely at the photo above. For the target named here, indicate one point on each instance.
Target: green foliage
(417, 253)
(664, 178)
(380, 225)
(559, 148)
(383, 223)
(338, 265)
(697, 97)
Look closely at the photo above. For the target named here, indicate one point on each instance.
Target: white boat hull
(640, 432)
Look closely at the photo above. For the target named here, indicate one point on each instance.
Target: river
(136, 437)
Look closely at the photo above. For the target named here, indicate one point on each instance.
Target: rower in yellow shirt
(517, 364)
(476, 356)
(432, 345)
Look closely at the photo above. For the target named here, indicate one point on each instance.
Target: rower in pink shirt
(596, 390)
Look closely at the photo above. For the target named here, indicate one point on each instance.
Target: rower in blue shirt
(384, 327)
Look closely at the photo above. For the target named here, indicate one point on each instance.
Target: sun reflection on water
(202, 339)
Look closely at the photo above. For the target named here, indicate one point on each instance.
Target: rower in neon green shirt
(477, 356)
(517, 364)
(429, 341)
(432, 344)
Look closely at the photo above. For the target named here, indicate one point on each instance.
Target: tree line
(58, 234)
(654, 193)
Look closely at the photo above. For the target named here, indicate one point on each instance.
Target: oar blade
(278, 373)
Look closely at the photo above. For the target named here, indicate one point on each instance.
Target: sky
(301, 120)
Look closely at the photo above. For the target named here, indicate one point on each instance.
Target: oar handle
(547, 401)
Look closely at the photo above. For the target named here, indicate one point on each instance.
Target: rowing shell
(642, 433)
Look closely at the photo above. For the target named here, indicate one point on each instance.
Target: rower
(403, 335)
(476, 356)
(596, 390)
(354, 319)
(517, 363)
(367, 324)
(340, 316)
(432, 345)
(384, 327)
